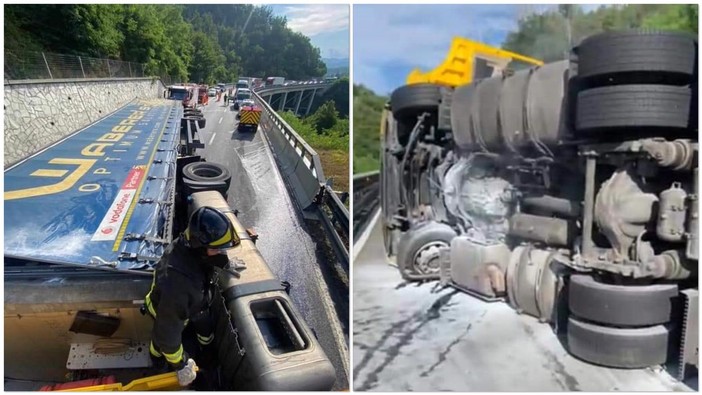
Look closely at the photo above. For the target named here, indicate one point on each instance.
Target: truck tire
(485, 113)
(621, 305)
(190, 187)
(637, 57)
(617, 347)
(633, 106)
(410, 101)
(207, 172)
(417, 250)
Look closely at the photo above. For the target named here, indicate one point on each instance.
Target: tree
(185, 42)
(339, 94)
(367, 110)
(206, 59)
(325, 117)
(674, 17)
(545, 35)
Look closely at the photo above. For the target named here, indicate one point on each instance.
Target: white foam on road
(363, 237)
(418, 337)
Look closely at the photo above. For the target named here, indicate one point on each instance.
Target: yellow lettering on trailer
(121, 129)
(67, 183)
(95, 149)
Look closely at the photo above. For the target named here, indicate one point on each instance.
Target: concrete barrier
(297, 161)
(39, 113)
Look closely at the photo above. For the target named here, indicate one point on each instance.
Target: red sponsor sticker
(113, 219)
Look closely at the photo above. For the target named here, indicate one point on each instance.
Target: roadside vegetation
(540, 35)
(195, 43)
(367, 109)
(327, 132)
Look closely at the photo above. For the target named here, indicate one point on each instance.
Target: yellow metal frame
(161, 382)
(458, 68)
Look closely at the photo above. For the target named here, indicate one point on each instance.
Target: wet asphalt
(258, 192)
(421, 337)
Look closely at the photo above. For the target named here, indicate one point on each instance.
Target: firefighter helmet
(210, 228)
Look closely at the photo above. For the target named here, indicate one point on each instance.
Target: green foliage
(546, 36)
(339, 94)
(367, 112)
(265, 46)
(206, 59)
(198, 43)
(674, 17)
(324, 118)
(332, 138)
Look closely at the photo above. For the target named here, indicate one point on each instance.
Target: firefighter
(181, 291)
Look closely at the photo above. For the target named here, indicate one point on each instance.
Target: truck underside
(568, 190)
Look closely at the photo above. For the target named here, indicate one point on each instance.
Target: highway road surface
(258, 192)
(417, 337)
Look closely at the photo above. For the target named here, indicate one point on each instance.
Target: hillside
(201, 43)
(544, 36)
(367, 110)
(337, 67)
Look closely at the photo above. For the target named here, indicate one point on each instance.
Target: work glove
(187, 374)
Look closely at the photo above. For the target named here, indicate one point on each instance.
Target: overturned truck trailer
(569, 190)
(86, 221)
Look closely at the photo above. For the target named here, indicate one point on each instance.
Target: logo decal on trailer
(118, 210)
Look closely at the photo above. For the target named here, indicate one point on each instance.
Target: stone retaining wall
(40, 113)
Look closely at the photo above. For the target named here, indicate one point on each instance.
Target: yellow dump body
(468, 60)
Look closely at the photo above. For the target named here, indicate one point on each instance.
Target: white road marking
(212, 138)
(220, 119)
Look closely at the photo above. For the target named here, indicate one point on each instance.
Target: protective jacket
(180, 296)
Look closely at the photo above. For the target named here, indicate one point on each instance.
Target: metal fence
(45, 65)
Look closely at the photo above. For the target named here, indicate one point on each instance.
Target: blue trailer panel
(101, 197)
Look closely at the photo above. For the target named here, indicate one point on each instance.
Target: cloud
(314, 19)
(332, 45)
(389, 40)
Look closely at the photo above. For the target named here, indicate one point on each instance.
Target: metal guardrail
(302, 168)
(296, 84)
(44, 65)
(366, 200)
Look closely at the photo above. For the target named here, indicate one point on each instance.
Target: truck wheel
(621, 305)
(190, 187)
(204, 172)
(616, 347)
(637, 57)
(633, 106)
(418, 249)
(410, 101)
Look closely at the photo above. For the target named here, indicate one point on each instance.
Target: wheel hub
(426, 260)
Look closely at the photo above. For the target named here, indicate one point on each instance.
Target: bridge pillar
(309, 105)
(299, 100)
(285, 101)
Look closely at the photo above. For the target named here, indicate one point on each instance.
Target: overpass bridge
(293, 96)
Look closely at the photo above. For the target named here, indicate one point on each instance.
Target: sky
(327, 25)
(391, 40)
